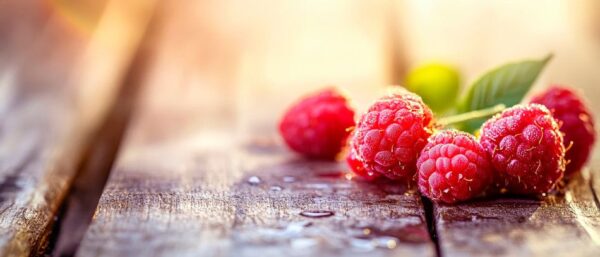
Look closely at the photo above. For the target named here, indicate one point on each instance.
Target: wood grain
(561, 225)
(186, 184)
(48, 116)
(201, 172)
(211, 207)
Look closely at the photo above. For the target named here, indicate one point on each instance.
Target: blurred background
(264, 54)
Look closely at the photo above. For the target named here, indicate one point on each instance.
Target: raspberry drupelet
(390, 135)
(318, 125)
(526, 149)
(359, 169)
(453, 167)
(576, 123)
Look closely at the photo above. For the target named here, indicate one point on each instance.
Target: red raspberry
(359, 169)
(453, 167)
(389, 137)
(318, 125)
(526, 149)
(575, 121)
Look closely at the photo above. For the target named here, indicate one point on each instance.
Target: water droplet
(304, 242)
(389, 242)
(317, 214)
(362, 244)
(297, 227)
(275, 188)
(348, 176)
(289, 179)
(254, 180)
(317, 186)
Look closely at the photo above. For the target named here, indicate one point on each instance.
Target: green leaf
(507, 85)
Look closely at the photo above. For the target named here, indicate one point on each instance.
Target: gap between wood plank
(78, 209)
(431, 226)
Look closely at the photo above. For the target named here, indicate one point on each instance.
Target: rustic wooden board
(54, 91)
(202, 172)
(561, 225)
(88, 185)
(204, 204)
(186, 184)
(197, 175)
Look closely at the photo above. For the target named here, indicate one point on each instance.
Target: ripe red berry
(390, 135)
(359, 169)
(575, 122)
(526, 149)
(318, 125)
(453, 167)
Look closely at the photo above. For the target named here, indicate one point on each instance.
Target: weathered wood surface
(202, 172)
(559, 225)
(216, 197)
(199, 174)
(54, 90)
(207, 203)
(88, 185)
(185, 184)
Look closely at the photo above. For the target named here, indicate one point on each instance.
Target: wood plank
(177, 193)
(55, 91)
(88, 185)
(201, 203)
(561, 225)
(201, 173)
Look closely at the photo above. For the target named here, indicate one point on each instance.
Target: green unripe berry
(438, 85)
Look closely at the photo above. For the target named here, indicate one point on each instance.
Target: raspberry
(389, 137)
(576, 123)
(526, 149)
(359, 169)
(318, 125)
(453, 167)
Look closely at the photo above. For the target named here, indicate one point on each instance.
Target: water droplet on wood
(364, 245)
(349, 176)
(289, 179)
(389, 242)
(301, 243)
(318, 186)
(254, 180)
(275, 188)
(317, 214)
(297, 227)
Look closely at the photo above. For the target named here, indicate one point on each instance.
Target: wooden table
(166, 145)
